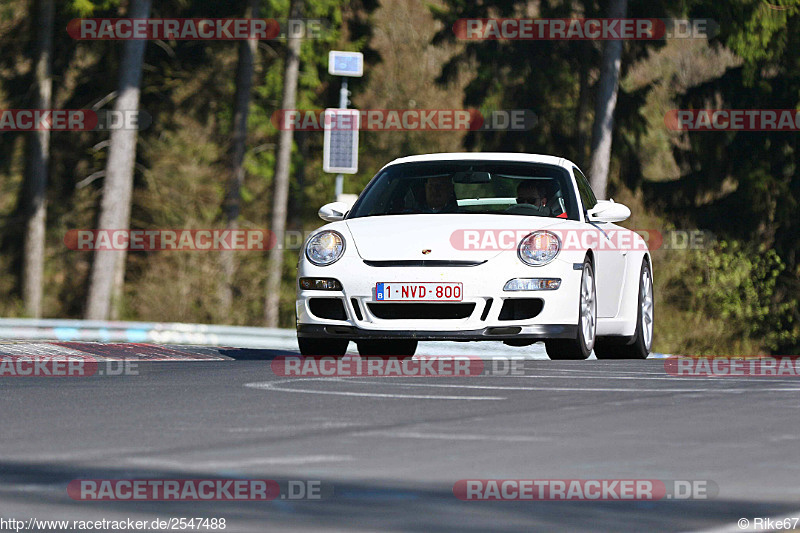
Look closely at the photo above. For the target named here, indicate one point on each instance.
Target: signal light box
(340, 144)
(346, 63)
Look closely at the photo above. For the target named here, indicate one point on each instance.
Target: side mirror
(608, 211)
(333, 211)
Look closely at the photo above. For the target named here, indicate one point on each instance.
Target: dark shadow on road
(253, 354)
(372, 506)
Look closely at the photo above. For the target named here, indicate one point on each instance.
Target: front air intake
(421, 311)
(329, 308)
(521, 308)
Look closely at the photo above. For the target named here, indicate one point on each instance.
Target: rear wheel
(580, 347)
(400, 348)
(639, 346)
(322, 346)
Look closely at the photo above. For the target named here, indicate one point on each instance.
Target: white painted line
(274, 386)
(44, 487)
(232, 464)
(302, 460)
(451, 436)
(578, 372)
(752, 379)
(78, 455)
(608, 374)
(298, 427)
(38, 348)
(579, 389)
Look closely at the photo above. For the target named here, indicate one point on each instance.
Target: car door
(610, 261)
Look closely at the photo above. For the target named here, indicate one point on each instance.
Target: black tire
(322, 346)
(578, 348)
(399, 348)
(638, 346)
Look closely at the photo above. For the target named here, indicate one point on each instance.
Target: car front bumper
(494, 333)
(482, 286)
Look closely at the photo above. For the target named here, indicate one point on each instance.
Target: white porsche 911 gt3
(476, 247)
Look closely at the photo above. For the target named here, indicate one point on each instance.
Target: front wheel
(580, 347)
(322, 346)
(639, 346)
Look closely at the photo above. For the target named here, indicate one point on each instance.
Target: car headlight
(325, 248)
(539, 248)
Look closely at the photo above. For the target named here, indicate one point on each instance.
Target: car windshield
(469, 187)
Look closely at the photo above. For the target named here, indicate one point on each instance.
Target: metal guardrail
(55, 329)
(145, 332)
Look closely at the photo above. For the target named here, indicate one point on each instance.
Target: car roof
(483, 156)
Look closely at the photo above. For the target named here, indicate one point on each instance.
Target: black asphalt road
(388, 450)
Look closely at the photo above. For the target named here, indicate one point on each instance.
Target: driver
(529, 192)
(440, 195)
(531, 200)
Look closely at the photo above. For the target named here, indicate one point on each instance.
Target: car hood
(407, 237)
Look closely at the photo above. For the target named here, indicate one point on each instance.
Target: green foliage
(553, 78)
(733, 286)
(85, 8)
(745, 185)
(737, 285)
(758, 31)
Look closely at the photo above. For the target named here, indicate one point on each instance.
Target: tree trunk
(232, 207)
(584, 104)
(602, 130)
(296, 202)
(281, 193)
(36, 172)
(108, 270)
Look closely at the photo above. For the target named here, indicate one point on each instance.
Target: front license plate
(418, 292)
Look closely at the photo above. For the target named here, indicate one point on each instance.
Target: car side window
(587, 195)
